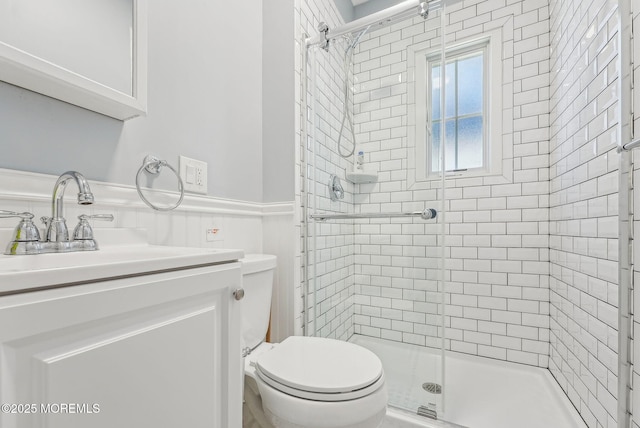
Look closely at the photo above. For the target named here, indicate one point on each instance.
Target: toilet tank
(257, 281)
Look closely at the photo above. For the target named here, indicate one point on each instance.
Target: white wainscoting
(251, 226)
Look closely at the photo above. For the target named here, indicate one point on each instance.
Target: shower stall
(458, 171)
(375, 250)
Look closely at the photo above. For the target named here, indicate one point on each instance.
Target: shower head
(353, 42)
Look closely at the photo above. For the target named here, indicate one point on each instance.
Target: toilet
(303, 382)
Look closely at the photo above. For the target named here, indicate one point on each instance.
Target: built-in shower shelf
(360, 177)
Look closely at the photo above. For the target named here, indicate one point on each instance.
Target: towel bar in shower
(426, 214)
(629, 146)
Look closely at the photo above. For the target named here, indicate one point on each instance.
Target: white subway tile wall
(497, 243)
(583, 200)
(331, 286)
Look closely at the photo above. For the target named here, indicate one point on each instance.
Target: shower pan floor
(478, 392)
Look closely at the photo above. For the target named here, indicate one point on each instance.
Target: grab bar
(427, 214)
(629, 146)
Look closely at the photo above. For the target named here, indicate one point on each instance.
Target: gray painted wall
(205, 102)
(346, 9)
(278, 101)
(373, 6)
(349, 12)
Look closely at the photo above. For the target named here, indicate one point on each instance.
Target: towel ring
(153, 165)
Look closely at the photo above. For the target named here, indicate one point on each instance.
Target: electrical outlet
(214, 234)
(194, 175)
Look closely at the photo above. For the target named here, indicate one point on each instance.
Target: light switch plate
(194, 175)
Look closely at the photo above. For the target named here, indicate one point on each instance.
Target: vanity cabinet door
(159, 350)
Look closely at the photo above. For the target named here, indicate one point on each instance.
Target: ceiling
(358, 2)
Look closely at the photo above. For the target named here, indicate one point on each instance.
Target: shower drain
(431, 387)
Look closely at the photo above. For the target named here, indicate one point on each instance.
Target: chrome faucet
(26, 239)
(57, 230)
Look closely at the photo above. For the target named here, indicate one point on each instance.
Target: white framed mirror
(90, 53)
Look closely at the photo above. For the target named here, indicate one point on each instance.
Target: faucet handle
(25, 231)
(9, 214)
(83, 230)
(26, 236)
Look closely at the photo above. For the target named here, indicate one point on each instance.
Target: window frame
(491, 44)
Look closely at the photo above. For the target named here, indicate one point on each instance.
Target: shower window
(465, 111)
(472, 112)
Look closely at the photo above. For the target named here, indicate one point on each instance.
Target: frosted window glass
(470, 147)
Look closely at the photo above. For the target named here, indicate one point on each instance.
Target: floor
(478, 393)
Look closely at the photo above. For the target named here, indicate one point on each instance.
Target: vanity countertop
(122, 253)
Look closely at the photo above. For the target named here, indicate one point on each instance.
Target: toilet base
(373, 422)
(252, 414)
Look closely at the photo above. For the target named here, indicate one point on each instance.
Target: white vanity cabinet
(159, 350)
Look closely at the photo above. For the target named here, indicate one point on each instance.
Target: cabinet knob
(238, 294)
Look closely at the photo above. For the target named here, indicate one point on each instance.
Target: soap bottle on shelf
(360, 161)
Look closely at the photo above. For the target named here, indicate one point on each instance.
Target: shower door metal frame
(625, 214)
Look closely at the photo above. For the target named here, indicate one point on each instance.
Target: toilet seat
(320, 369)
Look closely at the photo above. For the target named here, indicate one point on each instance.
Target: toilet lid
(315, 368)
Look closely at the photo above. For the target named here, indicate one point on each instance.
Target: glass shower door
(377, 282)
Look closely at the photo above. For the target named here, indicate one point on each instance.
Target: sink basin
(21, 273)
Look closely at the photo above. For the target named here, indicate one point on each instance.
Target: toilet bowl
(303, 382)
